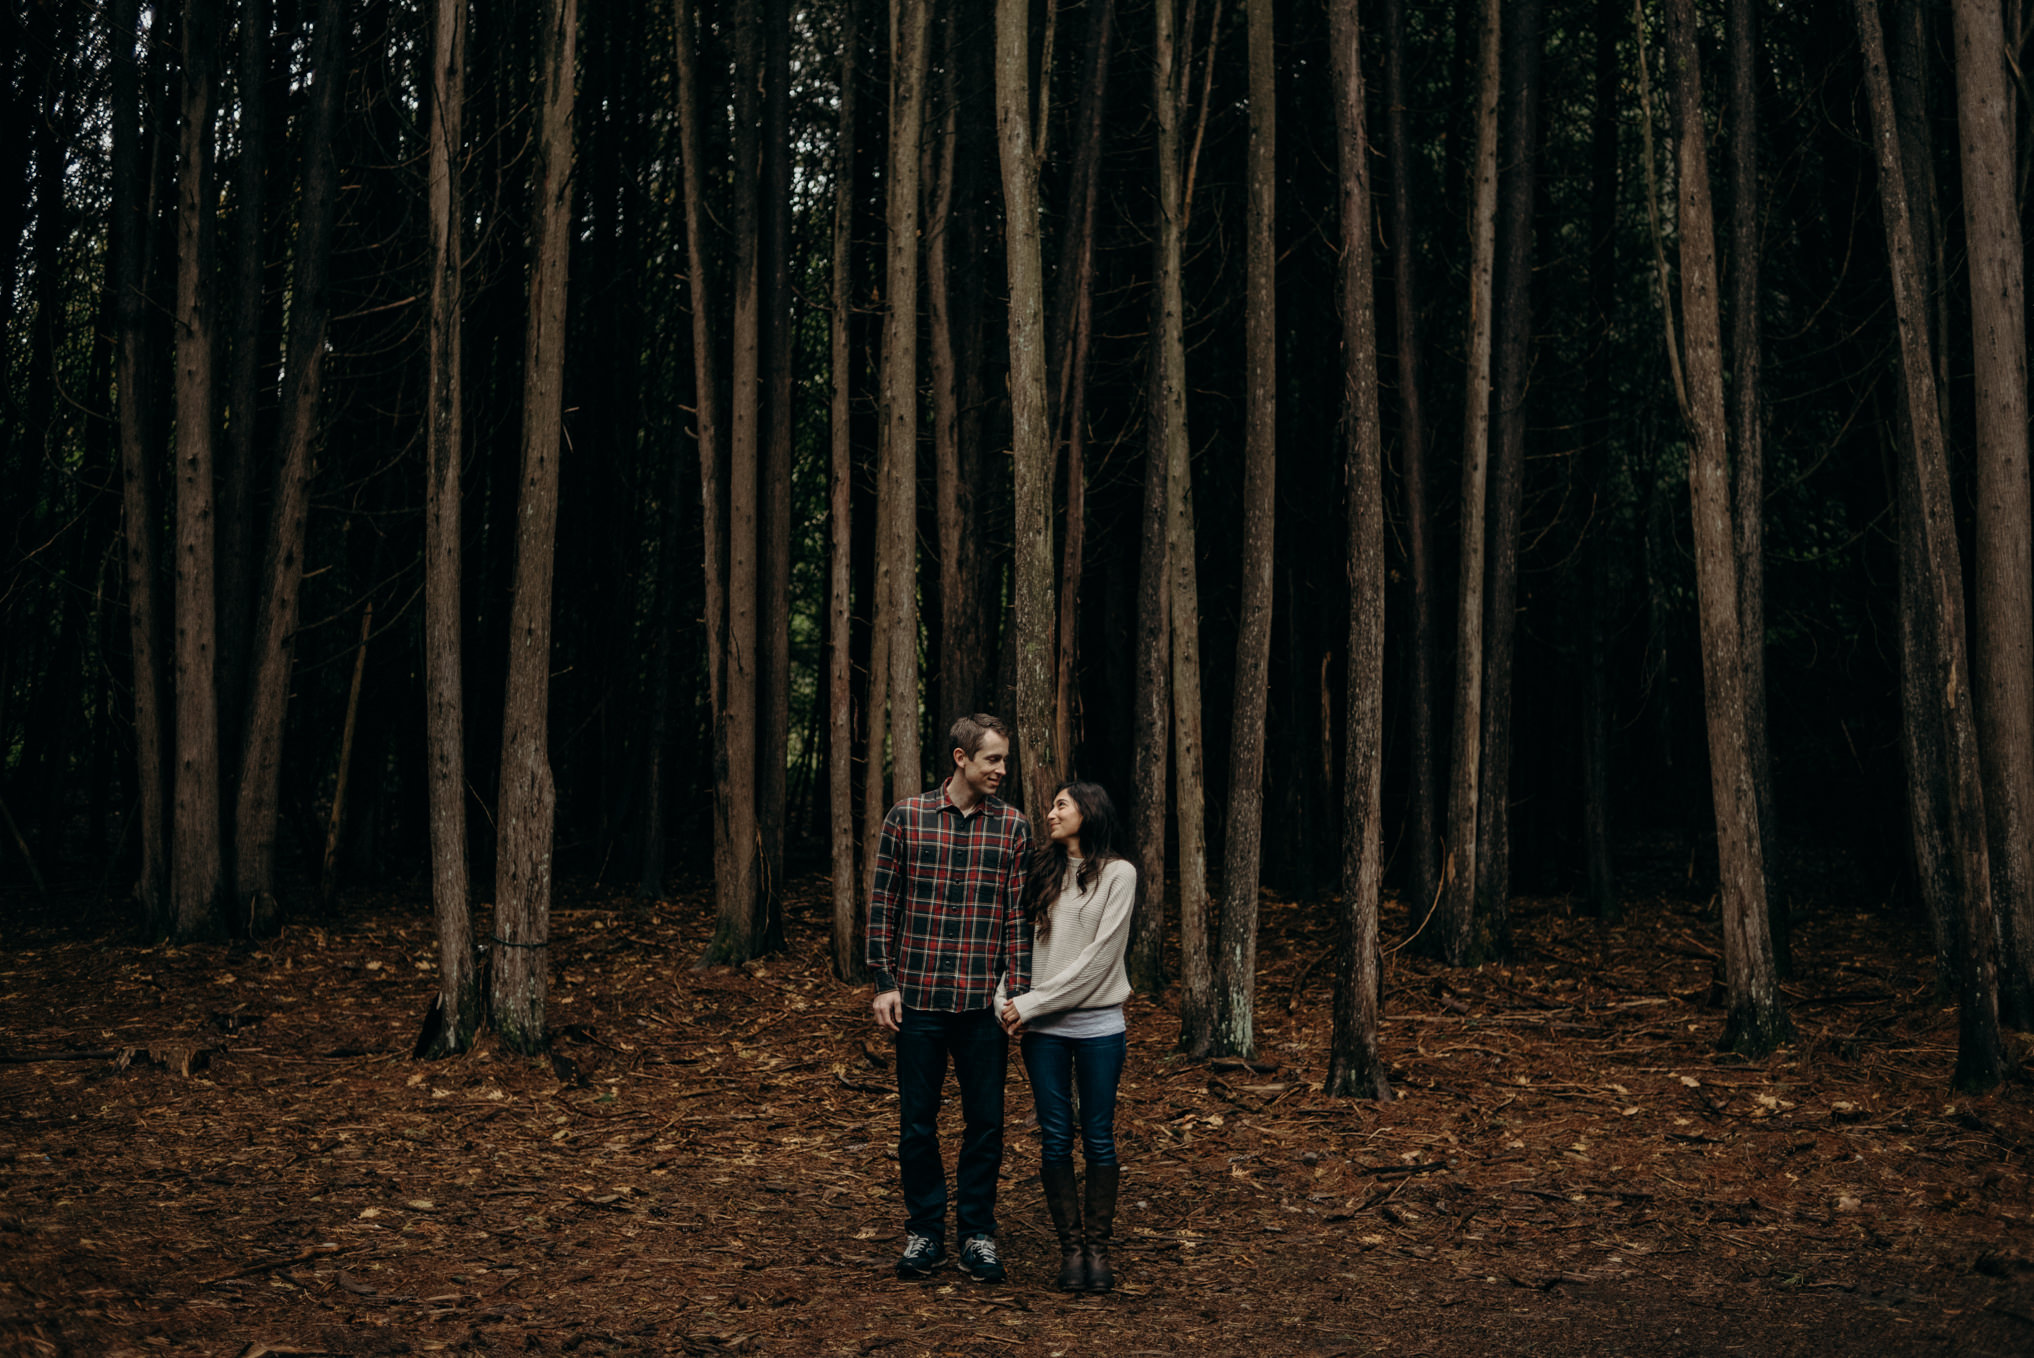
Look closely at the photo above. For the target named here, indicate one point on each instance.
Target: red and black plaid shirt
(944, 922)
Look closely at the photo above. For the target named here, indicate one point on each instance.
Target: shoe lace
(983, 1247)
(917, 1244)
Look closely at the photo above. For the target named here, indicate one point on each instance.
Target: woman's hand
(1013, 1022)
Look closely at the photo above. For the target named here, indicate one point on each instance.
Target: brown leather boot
(1101, 1221)
(1063, 1200)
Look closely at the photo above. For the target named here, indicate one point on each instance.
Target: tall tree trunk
(848, 964)
(740, 930)
(1169, 439)
(1980, 1060)
(460, 1003)
(258, 805)
(897, 474)
(1747, 426)
(140, 549)
(1236, 951)
(1355, 1067)
(2002, 674)
(1030, 435)
(236, 476)
(522, 910)
(197, 866)
(773, 725)
(1603, 281)
(335, 822)
(1757, 1019)
(958, 661)
(1514, 342)
(1456, 940)
(1412, 433)
(1070, 321)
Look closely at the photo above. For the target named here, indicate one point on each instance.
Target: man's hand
(889, 1010)
(1012, 1021)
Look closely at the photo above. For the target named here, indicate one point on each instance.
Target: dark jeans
(980, 1051)
(1060, 1067)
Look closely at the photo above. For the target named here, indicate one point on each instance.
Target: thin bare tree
(460, 1002)
(522, 908)
(1980, 1057)
(1355, 1067)
(1236, 948)
(1756, 1021)
(848, 962)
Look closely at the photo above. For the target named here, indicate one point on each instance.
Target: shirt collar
(988, 805)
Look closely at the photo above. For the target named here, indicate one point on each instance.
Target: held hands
(1012, 1021)
(889, 1010)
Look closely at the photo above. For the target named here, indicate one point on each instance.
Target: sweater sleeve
(1093, 969)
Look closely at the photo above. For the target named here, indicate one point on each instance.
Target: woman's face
(1063, 822)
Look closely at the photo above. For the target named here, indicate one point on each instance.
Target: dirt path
(707, 1167)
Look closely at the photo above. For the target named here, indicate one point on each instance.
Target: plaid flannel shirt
(944, 922)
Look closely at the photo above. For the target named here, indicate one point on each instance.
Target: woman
(1077, 901)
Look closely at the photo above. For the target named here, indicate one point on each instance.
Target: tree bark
(897, 476)
(197, 865)
(1455, 939)
(740, 930)
(848, 962)
(460, 1003)
(1236, 949)
(1757, 1018)
(1030, 435)
(1422, 789)
(140, 549)
(335, 823)
(1603, 281)
(1514, 344)
(773, 725)
(1980, 1060)
(522, 911)
(1355, 1067)
(2002, 674)
(1923, 756)
(1747, 426)
(260, 786)
(959, 658)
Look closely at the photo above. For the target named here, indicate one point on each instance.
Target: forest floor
(254, 1165)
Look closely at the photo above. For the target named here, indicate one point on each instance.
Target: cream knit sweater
(1078, 964)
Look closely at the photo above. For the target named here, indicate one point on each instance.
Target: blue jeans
(1060, 1068)
(980, 1051)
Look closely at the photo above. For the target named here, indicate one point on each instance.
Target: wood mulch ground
(253, 1164)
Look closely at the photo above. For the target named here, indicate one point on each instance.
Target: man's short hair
(968, 731)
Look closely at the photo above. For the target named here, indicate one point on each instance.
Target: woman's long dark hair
(1102, 838)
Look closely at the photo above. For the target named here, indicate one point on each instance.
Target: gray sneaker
(980, 1260)
(922, 1254)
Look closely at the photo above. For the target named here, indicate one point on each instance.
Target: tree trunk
(2002, 672)
(236, 476)
(1456, 940)
(522, 910)
(740, 929)
(460, 1003)
(1412, 434)
(1030, 435)
(140, 550)
(1236, 952)
(1151, 693)
(897, 477)
(197, 867)
(848, 963)
(773, 725)
(1603, 281)
(1514, 342)
(335, 823)
(258, 805)
(959, 658)
(1757, 1019)
(1747, 426)
(1355, 1068)
(1980, 1060)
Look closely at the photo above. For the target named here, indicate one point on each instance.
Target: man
(944, 928)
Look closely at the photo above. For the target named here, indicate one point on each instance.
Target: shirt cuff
(885, 981)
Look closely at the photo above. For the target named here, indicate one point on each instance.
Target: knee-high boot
(1062, 1199)
(1101, 1221)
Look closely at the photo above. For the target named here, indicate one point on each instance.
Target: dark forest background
(700, 501)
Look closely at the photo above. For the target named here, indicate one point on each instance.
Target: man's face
(984, 771)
